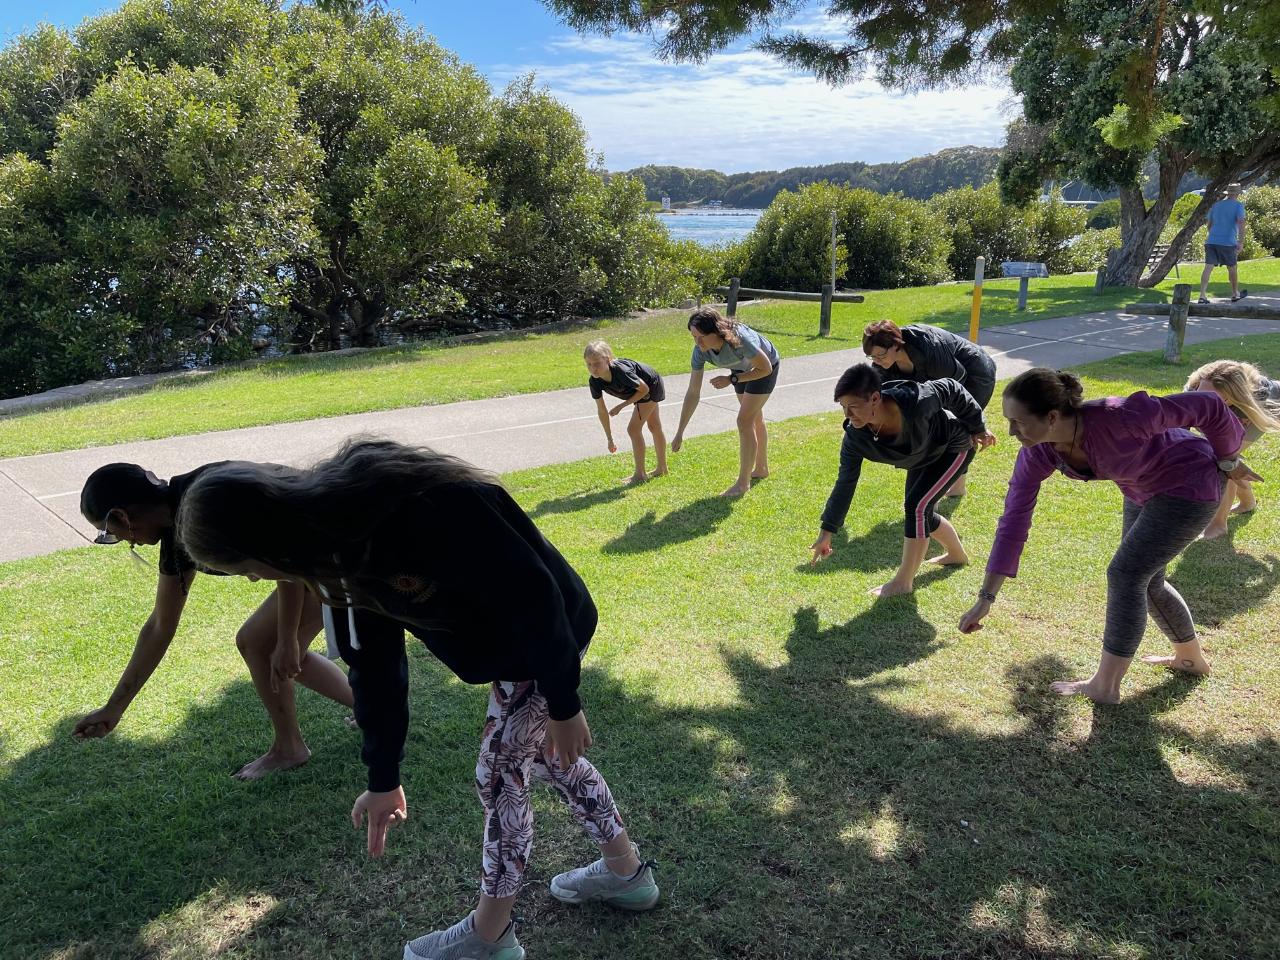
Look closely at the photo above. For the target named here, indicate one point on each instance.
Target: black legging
(1152, 535)
(925, 486)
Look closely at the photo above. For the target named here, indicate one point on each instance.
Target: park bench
(1157, 254)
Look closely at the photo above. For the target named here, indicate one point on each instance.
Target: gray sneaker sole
(638, 905)
(410, 955)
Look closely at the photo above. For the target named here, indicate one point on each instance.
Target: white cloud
(742, 110)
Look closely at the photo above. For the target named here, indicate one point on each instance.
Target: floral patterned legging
(510, 760)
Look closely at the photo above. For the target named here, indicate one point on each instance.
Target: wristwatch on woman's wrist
(1226, 466)
(733, 378)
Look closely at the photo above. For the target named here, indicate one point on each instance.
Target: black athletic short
(763, 385)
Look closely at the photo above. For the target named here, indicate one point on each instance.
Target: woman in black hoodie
(920, 352)
(400, 538)
(931, 430)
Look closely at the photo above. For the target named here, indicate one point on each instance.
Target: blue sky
(739, 111)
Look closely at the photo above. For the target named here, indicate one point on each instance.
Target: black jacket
(465, 570)
(938, 418)
(937, 353)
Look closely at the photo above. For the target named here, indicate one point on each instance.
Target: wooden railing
(827, 297)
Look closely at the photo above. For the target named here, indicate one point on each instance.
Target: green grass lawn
(819, 776)
(301, 388)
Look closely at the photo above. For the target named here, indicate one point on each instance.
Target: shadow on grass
(831, 807)
(880, 548)
(115, 839)
(579, 501)
(1218, 582)
(693, 520)
(962, 842)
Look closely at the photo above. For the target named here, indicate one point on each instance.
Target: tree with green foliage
(1105, 84)
(881, 241)
(1104, 88)
(980, 223)
(369, 91)
(178, 172)
(1262, 215)
(1104, 215)
(167, 205)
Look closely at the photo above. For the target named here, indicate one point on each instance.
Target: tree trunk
(1139, 231)
(366, 316)
(1140, 227)
(334, 317)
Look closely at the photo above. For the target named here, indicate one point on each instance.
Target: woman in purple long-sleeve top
(1171, 480)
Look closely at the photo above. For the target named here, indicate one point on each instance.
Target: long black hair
(119, 486)
(313, 524)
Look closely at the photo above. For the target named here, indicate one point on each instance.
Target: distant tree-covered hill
(919, 178)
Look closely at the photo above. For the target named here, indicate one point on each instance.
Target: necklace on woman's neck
(1075, 428)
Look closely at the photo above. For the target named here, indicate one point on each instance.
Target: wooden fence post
(975, 310)
(824, 318)
(1177, 322)
(731, 304)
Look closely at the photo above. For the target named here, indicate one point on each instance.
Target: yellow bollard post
(975, 315)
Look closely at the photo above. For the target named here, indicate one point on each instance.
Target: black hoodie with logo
(939, 418)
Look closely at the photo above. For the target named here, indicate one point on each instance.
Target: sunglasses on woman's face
(106, 537)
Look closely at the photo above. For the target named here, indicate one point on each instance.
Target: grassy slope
(301, 388)
(819, 776)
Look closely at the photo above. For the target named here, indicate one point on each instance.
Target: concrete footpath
(39, 495)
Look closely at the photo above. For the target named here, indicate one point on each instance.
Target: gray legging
(1153, 535)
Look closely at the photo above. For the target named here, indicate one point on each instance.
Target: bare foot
(1213, 531)
(636, 478)
(350, 721)
(759, 474)
(270, 762)
(950, 560)
(735, 491)
(660, 472)
(1243, 507)
(1183, 664)
(1084, 688)
(890, 589)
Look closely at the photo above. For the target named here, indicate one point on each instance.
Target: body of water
(710, 227)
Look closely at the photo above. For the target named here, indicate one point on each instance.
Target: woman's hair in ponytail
(1042, 390)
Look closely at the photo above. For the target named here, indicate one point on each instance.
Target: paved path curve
(39, 495)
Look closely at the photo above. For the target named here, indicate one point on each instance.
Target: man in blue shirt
(1225, 241)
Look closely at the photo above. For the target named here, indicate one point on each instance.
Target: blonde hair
(1239, 383)
(598, 348)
